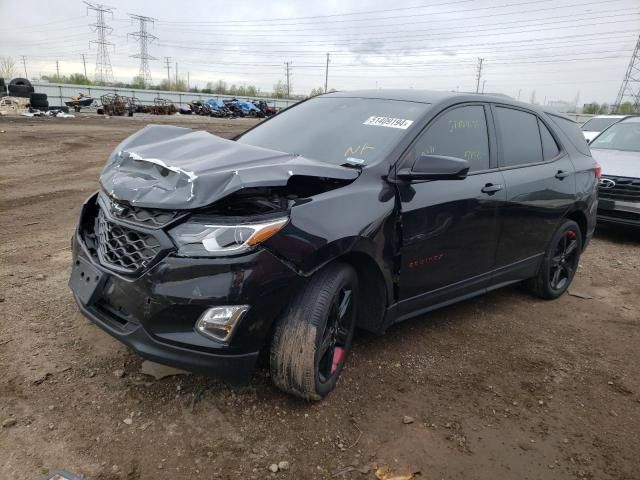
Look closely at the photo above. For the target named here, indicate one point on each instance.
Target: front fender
(356, 218)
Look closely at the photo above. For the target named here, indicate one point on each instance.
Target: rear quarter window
(573, 132)
(550, 148)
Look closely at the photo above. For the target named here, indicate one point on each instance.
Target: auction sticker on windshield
(389, 122)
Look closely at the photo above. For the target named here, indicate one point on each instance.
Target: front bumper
(619, 212)
(154, 312)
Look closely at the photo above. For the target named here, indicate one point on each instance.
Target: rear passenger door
(540, 183)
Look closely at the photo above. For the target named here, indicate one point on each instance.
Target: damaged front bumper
(154, 310)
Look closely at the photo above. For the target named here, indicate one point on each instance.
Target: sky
(555, 49)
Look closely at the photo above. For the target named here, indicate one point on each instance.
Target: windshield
(338, 130)
(623, 136)
(599, 124)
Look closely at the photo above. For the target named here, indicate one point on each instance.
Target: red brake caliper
(338, 355)
(571, 234)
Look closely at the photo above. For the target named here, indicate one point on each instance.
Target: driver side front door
(450, 228)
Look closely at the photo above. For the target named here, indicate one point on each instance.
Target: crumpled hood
(618, 163)
(179, 168)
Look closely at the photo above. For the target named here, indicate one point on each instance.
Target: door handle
(491, 188)
(562, 174)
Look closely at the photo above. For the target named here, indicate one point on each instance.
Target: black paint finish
(416, 245)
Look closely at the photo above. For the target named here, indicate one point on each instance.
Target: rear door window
(460, 132)
(519, 137)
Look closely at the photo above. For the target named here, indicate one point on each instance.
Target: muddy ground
(501, 387)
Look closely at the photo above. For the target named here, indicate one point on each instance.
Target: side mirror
(436, 167)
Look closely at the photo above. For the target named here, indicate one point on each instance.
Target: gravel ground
(502, 386)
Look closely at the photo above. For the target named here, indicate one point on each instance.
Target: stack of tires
(3, 88)
(20, 87)
(39, 101)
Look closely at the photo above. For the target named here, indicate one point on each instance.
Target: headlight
(198, 238)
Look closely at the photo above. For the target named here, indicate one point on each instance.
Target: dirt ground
(504, 386)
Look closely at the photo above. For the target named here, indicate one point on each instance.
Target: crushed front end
(206, 313)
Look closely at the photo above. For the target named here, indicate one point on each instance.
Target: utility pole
(57, 70)
(631, 83)
(104, 73)
(188, 83)
(288, 80)
(326, 74)
(168, 64)
(84, 62)
(483, 83)
(24, 64)
(519, 90)
(176, 74)
(144, 38)
(479, 74)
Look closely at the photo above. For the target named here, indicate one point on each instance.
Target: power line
(486, 33)
(218, 22)
(104, 73)
(40, 25)
(384, 20)
(143, 38)
(631, 84)
(443, 27)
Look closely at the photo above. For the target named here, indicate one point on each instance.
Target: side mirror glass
(436, 167)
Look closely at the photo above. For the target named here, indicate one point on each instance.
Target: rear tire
(312, 339)
(559, 263)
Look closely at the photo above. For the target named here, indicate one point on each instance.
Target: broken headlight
(199, 238)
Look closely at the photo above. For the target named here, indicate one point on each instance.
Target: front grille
(122, 248)
(146, 216)
(625, 189)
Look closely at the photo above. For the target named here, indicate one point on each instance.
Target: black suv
(349, 209)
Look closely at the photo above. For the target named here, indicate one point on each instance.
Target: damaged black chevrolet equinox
(352, 209)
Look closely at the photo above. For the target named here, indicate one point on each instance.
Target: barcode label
(389, 122)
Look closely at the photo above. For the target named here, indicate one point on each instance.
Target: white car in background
(617, 151)
(592, 127)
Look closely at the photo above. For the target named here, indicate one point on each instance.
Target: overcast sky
(558, 48)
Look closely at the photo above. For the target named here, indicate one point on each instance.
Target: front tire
(312, 339)
(559, 264)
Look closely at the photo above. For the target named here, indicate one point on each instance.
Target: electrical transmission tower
(143, 38)
(631, 84)
(104, 73)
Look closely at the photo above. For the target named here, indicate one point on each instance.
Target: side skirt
(464, 290)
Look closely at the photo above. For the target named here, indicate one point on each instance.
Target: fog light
(219, 322)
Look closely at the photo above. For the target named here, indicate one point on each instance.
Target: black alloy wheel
(336, 337)
(312, 339)
(565, 261)
(559, 264)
